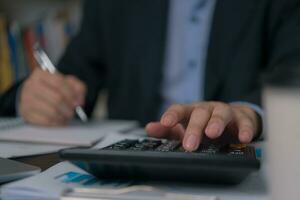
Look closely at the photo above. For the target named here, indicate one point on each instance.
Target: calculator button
(180, 149)
(151, 144)
(124, 144)
(145, 145)
(168, 146)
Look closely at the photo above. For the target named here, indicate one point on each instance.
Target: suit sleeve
(8, 101)
(282, 39)
(283, 33)
(84, 56)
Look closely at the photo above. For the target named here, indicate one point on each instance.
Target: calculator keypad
(164, 145)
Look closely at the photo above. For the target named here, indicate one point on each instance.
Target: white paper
(63, 177)
(6, 123)
(50, 184)
(16, 149)
(78, 134)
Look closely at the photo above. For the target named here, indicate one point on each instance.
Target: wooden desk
(42, 161)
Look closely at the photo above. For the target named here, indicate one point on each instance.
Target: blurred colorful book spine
(6, 69)
(53, 32)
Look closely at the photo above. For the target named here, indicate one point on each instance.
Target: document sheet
(19, 139)
(66, 180)
(77, 134)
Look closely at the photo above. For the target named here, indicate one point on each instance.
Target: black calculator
(166, 160)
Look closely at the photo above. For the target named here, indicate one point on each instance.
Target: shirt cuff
(258, 110)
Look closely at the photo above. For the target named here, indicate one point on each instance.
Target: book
(53, 30)
(16, 31)
(76, 134)
(13, 49)
(29, 39)
(19, 139)
(6, 70)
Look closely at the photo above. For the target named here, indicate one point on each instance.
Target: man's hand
(50, 99)
(190, 122)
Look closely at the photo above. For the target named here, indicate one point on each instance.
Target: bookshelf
(22, 23)
(29, 11)
(24, 15)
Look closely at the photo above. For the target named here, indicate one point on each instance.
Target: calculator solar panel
(153, 159)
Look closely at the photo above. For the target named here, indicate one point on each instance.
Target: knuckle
(194, 125)
(247, 124)
(222, 104)
(218, 118)
(176, 107)
(58, 80)
(202, 109)
(224, 107)
(250, 114)
(169, 113)
(194, 129)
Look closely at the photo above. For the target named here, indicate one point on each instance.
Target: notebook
(76, 134)
(7, 123)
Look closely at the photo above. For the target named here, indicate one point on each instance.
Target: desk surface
(42, 161)
(253, 188)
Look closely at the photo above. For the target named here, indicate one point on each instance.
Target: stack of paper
(67, 181)
(17, 149)
(77, 134)
(23, 140)
(10, 122)
(50, 184)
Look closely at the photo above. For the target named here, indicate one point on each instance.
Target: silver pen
(46, 65)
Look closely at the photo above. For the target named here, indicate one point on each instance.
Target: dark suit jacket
(121, 47)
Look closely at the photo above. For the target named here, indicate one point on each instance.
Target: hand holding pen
(49, 98)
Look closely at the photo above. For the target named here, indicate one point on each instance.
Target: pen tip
(36, 46)
(81, 114)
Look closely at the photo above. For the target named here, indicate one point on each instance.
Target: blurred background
(51, 22)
